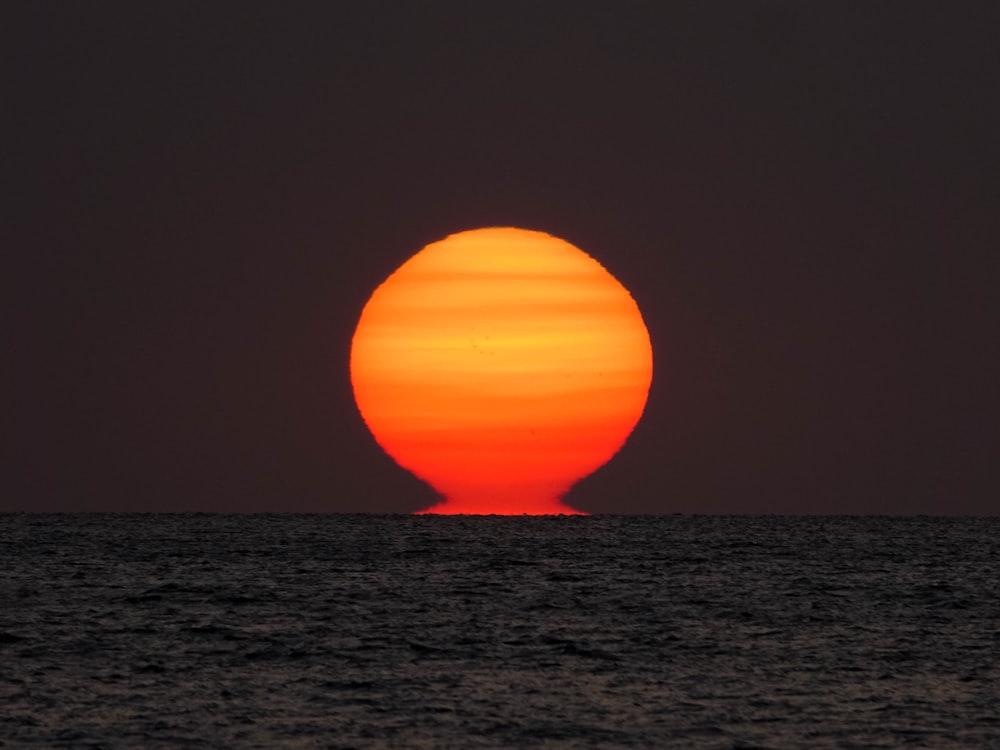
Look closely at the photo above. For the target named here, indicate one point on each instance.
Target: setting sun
(501, 365)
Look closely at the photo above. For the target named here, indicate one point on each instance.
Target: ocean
(357, 631)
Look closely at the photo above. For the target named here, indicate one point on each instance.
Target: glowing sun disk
(501, 365)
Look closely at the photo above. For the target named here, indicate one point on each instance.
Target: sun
(501, 365)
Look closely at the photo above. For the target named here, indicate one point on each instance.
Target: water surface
(340, 631)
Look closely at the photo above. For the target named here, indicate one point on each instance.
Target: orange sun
(501, 365)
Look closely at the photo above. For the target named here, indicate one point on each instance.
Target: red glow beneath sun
(481, 503)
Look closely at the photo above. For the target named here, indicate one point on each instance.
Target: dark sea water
(284, 631)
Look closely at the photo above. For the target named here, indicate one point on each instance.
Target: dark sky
(802, 197)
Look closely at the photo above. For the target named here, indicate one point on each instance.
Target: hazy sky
(802, 198)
